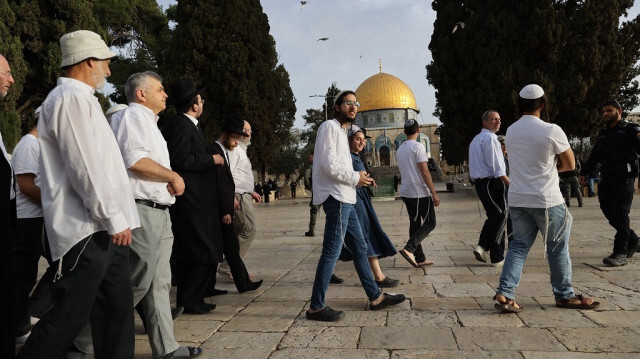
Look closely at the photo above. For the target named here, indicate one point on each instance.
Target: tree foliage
(578, 51)
(226, 46)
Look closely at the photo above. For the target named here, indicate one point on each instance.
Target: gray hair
(138, 81)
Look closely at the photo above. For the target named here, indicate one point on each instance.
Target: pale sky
(360, 33)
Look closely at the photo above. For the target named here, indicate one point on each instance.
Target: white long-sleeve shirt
(485, 156)
(241, 169)
(333, 173)
(139, 137)
(85, 188)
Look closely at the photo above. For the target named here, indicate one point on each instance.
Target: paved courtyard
(449, 312)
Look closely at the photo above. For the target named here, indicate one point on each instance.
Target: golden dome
(383, 91)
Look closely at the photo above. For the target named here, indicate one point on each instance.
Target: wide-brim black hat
(182, 91)
(234, 124)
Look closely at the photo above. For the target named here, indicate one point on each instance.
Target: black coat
(226, 186)
(195, 215)
(7, 225)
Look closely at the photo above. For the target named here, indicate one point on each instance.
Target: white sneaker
(499, 264)
(22, 339)
(480, 254)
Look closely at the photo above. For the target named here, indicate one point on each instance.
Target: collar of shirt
(193, 119)
(226, 152)
(76, 83)
(148, 112)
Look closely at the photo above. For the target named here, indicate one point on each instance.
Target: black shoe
(203, 308)
(184, 352)
(214, 292)
(253, 286)
(615, 260)
(389, 299)
(327, 314)
(175, 313)
(633, 250)
(335, 279)
(309, 234)
(388, 283)
(140, 312)
(579, 204)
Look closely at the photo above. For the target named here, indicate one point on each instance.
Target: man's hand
(256, 197)
(365, 180)
(436, 199)
(236, 204)
(218, 160)
(374, 183)
(178, 186)
(226, 219)
(123, 238)
(584, 182)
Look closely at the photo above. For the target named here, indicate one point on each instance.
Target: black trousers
(95, 287)
(194, 281)
(7, 278)
(615, 193)
(231, 250)
(569, 186)
(28, 247)
(492, 194)
(422, 220)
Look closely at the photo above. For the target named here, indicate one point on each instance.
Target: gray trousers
(151, 276)
(245, 226)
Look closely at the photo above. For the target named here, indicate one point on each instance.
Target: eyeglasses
(248, 132)
(7, 73)
(352, 103)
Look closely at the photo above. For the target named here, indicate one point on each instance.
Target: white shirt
(84, 183)
(138, 136)
(25, 160)
(333, 173)
(12, 193)
(533, 145)
(485, 156)
(410, 153)
(241, 169)
(193, 119)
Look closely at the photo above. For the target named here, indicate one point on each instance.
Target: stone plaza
(449, 312)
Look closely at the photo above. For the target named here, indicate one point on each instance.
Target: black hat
(182, 91)
(234, 124)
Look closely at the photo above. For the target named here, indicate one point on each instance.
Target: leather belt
(152, 204)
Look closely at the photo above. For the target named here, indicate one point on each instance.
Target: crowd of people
(121, 204)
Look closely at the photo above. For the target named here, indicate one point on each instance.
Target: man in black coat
(232, 132)
(7, 223)
(197, 247)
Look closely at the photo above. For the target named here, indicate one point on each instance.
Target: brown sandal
(570, 303)
(508, 305)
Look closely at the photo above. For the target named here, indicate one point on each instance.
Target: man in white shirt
(244, 221)
(88, 210)
(537, 151)
(488, 171)
(7, 223)
(334, 182)
(417, 192)
(154, 186)
(28, 245)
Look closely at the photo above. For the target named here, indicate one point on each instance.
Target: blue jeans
(340, 218)
(526, 224)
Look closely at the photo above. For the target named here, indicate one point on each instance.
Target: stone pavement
(449, 312)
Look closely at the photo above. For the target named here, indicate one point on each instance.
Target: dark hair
(184, 108)
(338, 101)
(411, 127)
(612, 102)
(531, 105)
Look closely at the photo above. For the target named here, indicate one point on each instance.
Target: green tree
(578, 51)
(226, 46)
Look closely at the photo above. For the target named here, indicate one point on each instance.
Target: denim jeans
(526, 224)
(340, 218)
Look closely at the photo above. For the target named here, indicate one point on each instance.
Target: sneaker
(498, 264)
(326, 314)
(309, 234)
(633, 250)
(615, 260)
(480, 254)
(388, 283)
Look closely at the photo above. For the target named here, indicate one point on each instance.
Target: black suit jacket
(197, 237)
(226, 186)
(7, 226)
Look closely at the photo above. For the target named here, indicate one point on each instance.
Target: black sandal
(508, 306)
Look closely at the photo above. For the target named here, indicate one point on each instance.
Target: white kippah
(531, 92)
